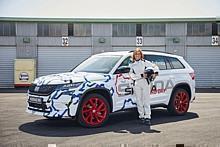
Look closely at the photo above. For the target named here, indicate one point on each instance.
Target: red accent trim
(158, 91)
(181, 102)
(22, 85)
(94, 111)
(192, 75)
(117, 76)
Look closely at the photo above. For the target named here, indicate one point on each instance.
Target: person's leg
(140, 106)
(146, 102)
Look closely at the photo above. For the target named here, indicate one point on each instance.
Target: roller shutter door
(206, 63)
(60, 59)
(7, 56)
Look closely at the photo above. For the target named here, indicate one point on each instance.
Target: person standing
(142, 84)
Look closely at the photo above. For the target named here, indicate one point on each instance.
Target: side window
(168, 64)
(126, 62)
(158, 60)
(176, 63)
(123, 67)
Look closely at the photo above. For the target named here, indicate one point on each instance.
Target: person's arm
(154, 66)
(133, 75)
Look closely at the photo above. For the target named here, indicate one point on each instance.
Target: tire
(179, 102)
(93, 111)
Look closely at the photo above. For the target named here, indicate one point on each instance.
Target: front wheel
(179, 102)
(94, 111)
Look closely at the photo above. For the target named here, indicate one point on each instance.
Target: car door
(124, 97)
(162, 86)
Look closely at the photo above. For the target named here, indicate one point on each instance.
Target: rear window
(176, 64)
(164, 62)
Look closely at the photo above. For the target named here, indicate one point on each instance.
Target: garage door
(60, 59)
(7, 56)
(206, 63)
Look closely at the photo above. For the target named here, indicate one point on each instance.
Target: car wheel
(179, 102)
(94, 111)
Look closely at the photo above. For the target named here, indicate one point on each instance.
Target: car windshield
(98, 64)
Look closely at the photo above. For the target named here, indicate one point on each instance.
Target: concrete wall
(26, 43)
(176, 38)
(57, 41)
(101, 38)
(26, 40)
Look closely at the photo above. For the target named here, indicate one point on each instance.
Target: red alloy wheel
(94, 111)
(181, 102)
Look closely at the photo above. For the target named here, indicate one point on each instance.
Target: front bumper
(50, 106)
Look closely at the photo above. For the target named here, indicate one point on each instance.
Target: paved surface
(199, 127)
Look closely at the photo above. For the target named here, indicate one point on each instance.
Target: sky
(110, 8)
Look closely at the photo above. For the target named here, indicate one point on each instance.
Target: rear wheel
(179, 102)
(94, 111)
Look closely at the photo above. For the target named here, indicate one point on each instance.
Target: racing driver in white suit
(141, 84)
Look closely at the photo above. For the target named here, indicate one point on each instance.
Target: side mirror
(123, 69)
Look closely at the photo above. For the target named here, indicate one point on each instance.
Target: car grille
(38, 107)
(42, 106)
(42, 90)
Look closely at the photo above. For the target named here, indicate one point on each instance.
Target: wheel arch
(184, 86)
(102, 91)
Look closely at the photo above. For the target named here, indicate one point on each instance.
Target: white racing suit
(141, 86)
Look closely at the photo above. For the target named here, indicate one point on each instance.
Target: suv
(101, 85)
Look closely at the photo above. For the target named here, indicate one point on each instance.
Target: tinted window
(199, 29)
(214, 29)
(218, 28)
(175, 63)
(124, 30)
(7, 29)
(126, 62)
(158, 60)
(153, 29)
(49, 30)
(82, 30)
(70, 29)
(168, 64)
(138, 30)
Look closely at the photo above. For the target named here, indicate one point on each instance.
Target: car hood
(69, 77)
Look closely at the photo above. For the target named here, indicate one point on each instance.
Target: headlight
(72, 85)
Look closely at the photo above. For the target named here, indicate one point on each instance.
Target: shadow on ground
(120, 122)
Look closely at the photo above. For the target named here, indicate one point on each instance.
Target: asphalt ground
(200, 127)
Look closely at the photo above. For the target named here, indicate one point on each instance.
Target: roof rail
(154, 51)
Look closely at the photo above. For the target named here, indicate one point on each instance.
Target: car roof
(122, 53)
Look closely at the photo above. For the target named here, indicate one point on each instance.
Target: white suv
(101, 85)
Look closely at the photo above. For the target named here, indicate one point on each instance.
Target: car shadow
(119, 122)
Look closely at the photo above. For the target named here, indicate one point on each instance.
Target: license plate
(37, 100)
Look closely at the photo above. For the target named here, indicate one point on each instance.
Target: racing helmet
(149, 71)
